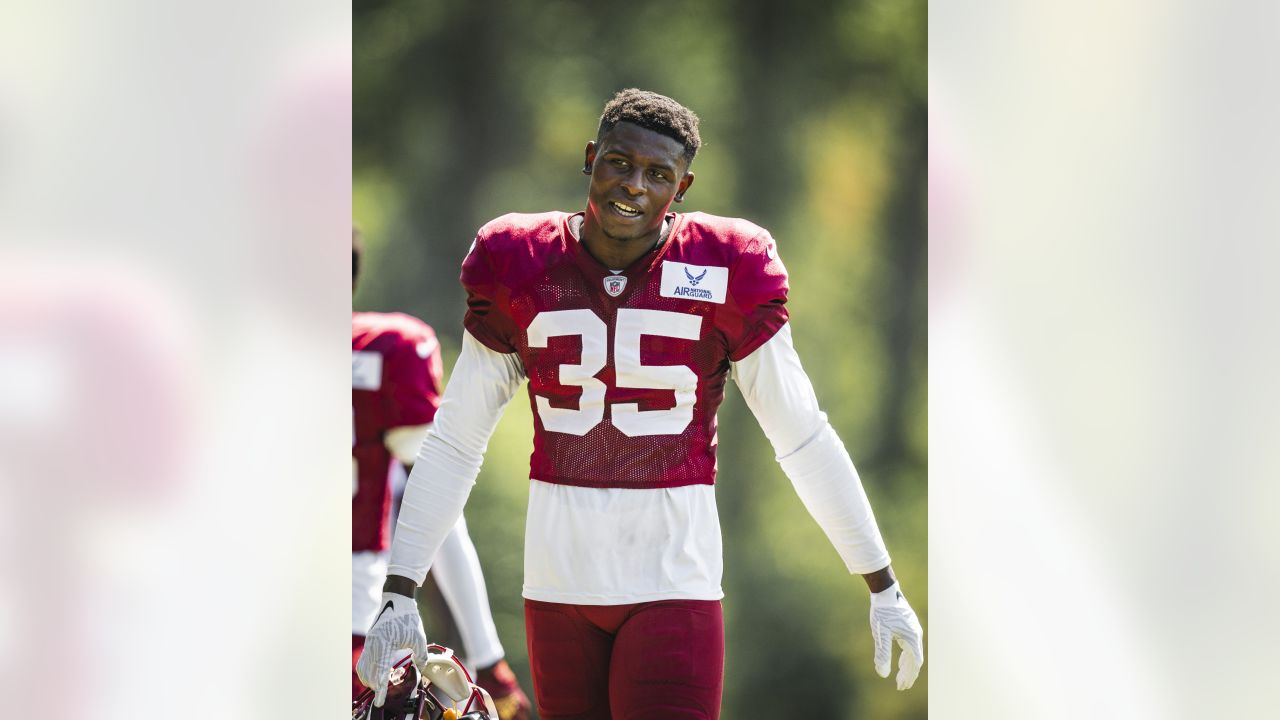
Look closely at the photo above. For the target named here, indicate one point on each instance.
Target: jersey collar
(642, 265)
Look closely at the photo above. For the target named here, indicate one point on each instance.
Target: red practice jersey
(625, 371)
(395, 382)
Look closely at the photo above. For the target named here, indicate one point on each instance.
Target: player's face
(635, 176)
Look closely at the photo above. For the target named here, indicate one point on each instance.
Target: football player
(395, 380)
(627, 320)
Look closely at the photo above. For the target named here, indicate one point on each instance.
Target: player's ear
(590, 157)
(683, 188)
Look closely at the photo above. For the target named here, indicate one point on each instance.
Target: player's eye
(658, 175)
(619, 163)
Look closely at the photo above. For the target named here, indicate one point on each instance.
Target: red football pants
(659, 660)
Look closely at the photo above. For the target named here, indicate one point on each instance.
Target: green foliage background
(814, 121)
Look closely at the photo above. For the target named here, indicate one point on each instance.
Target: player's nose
(633, 183)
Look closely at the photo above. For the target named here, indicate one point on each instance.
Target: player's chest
(666, 316)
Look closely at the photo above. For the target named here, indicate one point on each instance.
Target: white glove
(397, 627)
(892, 618)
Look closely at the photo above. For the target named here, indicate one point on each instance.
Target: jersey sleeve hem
(480, 331)
(760, 334)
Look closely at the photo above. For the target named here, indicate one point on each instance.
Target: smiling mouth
(625, 210)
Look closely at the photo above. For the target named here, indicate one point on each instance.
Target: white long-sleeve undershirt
(780, 395)
(620, 545)
(482, 383)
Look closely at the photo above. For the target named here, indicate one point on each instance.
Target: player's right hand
(397, 627)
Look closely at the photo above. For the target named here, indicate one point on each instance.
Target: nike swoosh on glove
(398, 627)
(893, 619)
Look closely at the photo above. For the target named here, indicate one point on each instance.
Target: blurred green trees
(814, 121)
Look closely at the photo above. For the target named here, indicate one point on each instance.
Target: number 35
(629, 371)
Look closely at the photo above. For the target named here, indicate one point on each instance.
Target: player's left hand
(893, 619)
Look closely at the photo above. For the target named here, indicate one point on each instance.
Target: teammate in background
(627, 320)
(395, 381)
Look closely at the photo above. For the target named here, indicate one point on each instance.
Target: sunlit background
(1103, 356)
(174, 214)
(175, 196)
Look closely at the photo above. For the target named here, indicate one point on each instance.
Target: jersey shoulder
(722, 239)
(516, 226)
(726, 230)
(388, 332)
(514, 248)
(519, 234)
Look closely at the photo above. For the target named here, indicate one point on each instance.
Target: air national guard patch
(695, 282)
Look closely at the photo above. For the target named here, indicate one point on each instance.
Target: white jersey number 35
(629, 371)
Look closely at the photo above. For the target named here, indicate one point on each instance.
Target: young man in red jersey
(395, 392)
(627, 320)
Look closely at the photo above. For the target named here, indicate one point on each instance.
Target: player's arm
(404, 444)
(482, 383)
(780, 395)
(485, 378)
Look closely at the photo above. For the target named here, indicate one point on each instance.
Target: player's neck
(616, 253)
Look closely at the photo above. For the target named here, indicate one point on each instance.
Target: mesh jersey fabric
(396, 380)
(624, 382)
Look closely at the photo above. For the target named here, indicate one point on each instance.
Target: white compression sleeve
(457, 572)
(781, 397)
(482, 383)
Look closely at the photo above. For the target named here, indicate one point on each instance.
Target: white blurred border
(1102, 359)
(174, 213)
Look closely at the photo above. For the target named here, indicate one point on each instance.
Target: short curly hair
(655, 112)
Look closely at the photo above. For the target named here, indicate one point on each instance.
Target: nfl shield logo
(615, 284)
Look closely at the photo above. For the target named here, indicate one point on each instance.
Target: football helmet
(441, 690)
